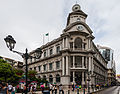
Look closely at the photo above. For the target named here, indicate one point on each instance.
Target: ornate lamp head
(10, 42)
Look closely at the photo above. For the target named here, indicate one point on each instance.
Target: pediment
(78, 26)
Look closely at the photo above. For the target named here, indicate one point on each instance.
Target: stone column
(54, 65)
(67, 66)
(89, 43)
(82, 46)
(67, 43)
(83, 62)
(83, 82)
(73, 61)
(89, 64)
(86, 62)
(63, 44)
(63, 65)
(54, 78)
(92, 66)
(73, 76)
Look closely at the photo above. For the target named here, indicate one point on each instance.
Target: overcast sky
(28, 20)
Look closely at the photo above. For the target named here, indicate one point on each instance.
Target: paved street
(111, 90)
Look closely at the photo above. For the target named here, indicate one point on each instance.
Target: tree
(18, 72)
(6, 71)
(31, 75)
(17, 75)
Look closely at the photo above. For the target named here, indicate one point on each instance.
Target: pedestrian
(92, 86)
(22, 88)
(10, 87)
(4, 89)
(51, 87)
(0, 85)
(61, 89)
(42, 87)
(55, 88)
(80, 87)
(13, 90)
(35, 86)
(69, 89)
(73, 87)
(31, 91)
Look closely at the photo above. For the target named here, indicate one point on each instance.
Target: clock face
(80, 27)
(76, 7)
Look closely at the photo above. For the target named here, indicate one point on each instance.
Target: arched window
(44, 77)
(51, 79)
(57, 78)
(78, 43)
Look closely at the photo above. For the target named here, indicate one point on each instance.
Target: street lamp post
(10, 42)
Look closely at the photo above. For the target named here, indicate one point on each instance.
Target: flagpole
(48, 37)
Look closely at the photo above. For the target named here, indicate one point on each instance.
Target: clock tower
(77, 15)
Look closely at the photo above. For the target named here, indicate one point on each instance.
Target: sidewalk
(71, 92)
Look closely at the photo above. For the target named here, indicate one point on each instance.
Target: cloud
(28, 20)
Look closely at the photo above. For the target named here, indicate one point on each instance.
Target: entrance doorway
(78, 78)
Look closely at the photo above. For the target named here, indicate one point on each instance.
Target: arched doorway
(51, 79)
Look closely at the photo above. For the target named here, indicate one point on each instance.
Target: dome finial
(76, 7)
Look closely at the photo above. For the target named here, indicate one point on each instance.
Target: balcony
(78, 67)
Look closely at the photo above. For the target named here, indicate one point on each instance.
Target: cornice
(45, 59)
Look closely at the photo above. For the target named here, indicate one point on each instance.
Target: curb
(99, 90)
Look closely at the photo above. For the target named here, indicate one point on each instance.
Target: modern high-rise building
(107, 53)
(73, 57)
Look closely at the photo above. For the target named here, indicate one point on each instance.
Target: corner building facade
(69, 58)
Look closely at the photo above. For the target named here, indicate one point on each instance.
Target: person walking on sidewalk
(55, 88)
(73, 87)
(61, 89)
(51, 86)
(13, 90)
(10, 88)
(4, 89)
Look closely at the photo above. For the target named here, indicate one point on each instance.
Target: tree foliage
(5, 70)
(31, 75)
(8, 73)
